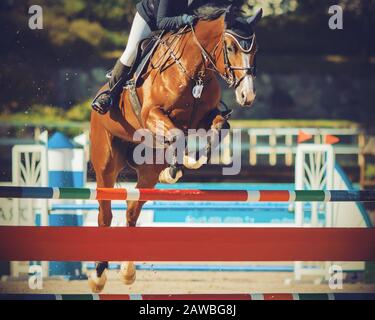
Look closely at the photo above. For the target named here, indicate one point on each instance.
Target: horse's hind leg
(108, 162)
(98, 279)
(148, 176)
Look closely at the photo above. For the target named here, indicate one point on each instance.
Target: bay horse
(220, 44)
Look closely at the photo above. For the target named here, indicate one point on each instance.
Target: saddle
(145, 50)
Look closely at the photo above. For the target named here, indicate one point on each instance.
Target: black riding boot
(105, 100)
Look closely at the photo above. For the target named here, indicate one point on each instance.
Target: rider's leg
(121, 72)
(139, 31)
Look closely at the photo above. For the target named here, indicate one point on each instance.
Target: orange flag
(329, 139)
(304, 136)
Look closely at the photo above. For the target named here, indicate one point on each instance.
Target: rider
(151, 15)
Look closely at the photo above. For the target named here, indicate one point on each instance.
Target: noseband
(230, 76)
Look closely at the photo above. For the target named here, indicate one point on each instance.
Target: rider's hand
(189, 20)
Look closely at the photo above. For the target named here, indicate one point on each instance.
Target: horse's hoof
(166, 176)
(96, 283)
(192, 164)
(128, 273)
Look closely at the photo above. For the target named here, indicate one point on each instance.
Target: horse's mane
(210, 9)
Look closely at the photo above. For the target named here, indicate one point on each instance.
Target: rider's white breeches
(139, 31)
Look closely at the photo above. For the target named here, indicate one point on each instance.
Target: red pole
(186, 244)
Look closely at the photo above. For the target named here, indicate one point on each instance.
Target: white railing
(283, 142)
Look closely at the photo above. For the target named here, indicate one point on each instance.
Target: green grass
(50, 117)
(370, 171)
(42, 123)
(294, 123)
(20, 120)
(77, 118)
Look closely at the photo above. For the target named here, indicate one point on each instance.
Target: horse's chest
(181, 115)
(189, 115)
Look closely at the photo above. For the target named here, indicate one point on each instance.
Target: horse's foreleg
(148, 176)
(160, 124)
(173, 173)
(214, 123)
(219, 131)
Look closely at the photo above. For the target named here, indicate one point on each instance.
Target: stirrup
(108, 92)
(97, 107)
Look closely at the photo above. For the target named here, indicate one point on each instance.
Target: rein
(230, 79)
(229, 76)
(172, 54)
(207, 57)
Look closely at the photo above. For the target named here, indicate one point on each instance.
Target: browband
(235, 36)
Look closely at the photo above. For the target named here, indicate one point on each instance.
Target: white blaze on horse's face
(242, 62)
(245, 92)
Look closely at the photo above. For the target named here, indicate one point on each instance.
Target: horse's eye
(231, 49)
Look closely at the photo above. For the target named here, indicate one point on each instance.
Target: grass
(6, 121)
(49, 117)
(77, 118)
(294, 123)
(370, 171)
(57, 123)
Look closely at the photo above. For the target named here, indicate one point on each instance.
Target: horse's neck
(209, 33)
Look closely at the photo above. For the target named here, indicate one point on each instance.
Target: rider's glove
(189, 20)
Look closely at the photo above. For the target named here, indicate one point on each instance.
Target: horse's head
(240, 49)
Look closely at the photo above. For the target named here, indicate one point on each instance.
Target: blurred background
(309, 75)
(314, 85)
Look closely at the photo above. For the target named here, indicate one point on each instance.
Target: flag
(329, 139)
(304, 136)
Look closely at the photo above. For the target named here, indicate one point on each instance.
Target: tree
(365, 10)
(271, 7)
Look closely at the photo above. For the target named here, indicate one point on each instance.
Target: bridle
(249, 71)
(229, 75)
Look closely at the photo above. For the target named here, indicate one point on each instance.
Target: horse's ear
(230, 16)
(252, 21)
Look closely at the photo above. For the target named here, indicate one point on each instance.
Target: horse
(220, 44)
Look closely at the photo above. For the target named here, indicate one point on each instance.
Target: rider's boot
(105, 100)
